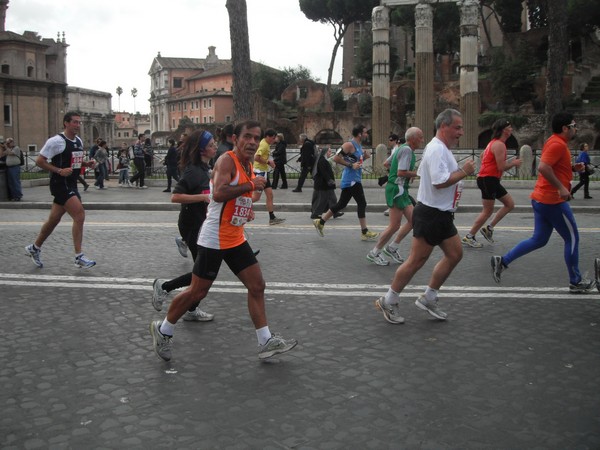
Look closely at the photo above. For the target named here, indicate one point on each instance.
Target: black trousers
(303, 174)
(279, 170)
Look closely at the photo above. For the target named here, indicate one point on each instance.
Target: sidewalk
(153, 199)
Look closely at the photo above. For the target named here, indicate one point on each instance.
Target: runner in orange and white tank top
(224, 224)
(222, 240)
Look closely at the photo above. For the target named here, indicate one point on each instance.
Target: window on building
(8, 115)
(185, 106)
(210, 102)
(32, 148)
(205, 119)
(227, 118)
(303, 92)
(173, 123)
(126, 134)
(177, 83)
(197, 104)
(5, 69)
(118, 134)
(30, 71)
(197, 119)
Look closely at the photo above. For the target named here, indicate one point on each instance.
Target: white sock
(78, 255)
(167, 328)
(391, 297)
(490, 227)
(393, 246)
(376, 251)
(263, 335)
(430, 294)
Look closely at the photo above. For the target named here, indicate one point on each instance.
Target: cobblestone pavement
(515, 365)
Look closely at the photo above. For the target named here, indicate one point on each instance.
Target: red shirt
(556, 154)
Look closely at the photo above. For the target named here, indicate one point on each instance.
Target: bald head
(414, 138)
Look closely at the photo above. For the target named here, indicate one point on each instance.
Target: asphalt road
(514, 366)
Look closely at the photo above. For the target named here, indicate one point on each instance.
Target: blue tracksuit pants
(557, 217)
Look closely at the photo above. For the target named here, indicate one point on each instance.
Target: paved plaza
(515, 366)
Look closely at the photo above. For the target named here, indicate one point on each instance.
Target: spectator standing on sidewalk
(101, 157)
(351, 156)
(138, 162)
(63, 156)
(307, 160)
(222, 239)
(280, 159)
(262, 162)
(123, 167)
(402, 171)
(551, 210)
(584, 176)
(13, 170)
(440, 188)
(171, 161)
(493, 166)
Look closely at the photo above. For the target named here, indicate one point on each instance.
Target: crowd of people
(216, 184)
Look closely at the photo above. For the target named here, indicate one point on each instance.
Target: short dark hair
(358, 129)
(69, 115)
(270, 132)
(393, 137)
(560, 120)
(172, 141)
(247, 124)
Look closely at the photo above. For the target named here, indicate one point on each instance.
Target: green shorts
(393, 200)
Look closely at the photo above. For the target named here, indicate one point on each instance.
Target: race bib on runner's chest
(241, 211)
(76, 159)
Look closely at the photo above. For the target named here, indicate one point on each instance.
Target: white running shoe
(377, 259)
(82, 262)
(198, 315)
(35, 255)
(182, 247)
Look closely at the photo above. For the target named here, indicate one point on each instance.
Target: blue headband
(204, 140)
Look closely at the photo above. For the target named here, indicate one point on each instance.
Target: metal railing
(158, 170)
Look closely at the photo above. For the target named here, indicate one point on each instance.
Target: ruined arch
(328, 136)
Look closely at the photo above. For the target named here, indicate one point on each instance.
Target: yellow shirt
(264, 150)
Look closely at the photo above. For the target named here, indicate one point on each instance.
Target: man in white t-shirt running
(433, 219)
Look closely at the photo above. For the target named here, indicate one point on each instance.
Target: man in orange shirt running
(551, 209)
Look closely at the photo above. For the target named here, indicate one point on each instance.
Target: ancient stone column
(424, 113)
(380, 116)
(469, 93)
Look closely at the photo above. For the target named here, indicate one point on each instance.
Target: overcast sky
(112, 43)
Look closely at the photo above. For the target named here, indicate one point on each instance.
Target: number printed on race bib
(241, 211)
(76, 159)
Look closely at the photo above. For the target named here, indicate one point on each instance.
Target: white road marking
(304, 289)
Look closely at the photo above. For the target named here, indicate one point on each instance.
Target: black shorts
(490, 188)
(208, 262)
(265, 175)
(62, 192)
(432, 224)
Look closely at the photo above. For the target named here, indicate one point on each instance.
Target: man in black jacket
(307, 159)
(280, 158)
